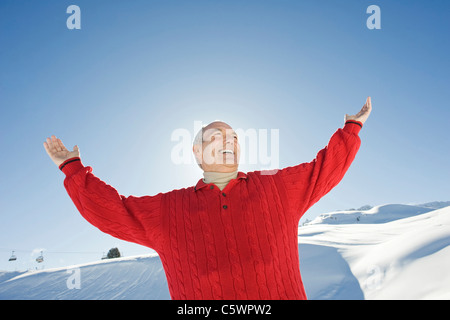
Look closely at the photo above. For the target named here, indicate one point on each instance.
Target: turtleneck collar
(220, 179)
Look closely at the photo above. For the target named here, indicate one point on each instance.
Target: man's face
(220, 148)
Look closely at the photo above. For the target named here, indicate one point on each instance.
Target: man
(232, 235)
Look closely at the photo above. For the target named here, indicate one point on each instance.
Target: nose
(229, 140)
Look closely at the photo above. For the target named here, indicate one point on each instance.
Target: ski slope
(396, 257)
(387, 252)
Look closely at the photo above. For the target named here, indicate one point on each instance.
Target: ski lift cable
(14, 257)
(50, 252)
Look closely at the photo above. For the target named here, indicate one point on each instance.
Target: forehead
(214, 127)
(218, 125)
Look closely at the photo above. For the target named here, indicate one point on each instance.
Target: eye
(216, 136)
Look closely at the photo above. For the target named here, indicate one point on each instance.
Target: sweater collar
(201, 183)
(220, 179)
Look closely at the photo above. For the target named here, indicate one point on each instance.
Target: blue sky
(138, 70)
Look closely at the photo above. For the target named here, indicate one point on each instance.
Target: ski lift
(13, 257)
(40, 258)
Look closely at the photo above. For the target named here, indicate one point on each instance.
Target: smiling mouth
(226, 151)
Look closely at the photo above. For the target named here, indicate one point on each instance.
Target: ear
(197, 150)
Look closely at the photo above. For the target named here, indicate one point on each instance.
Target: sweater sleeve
(133, 219)
(306, 183)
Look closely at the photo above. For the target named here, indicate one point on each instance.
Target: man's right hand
(58, 152)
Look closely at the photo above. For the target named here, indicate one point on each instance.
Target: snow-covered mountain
(386, 252)
(378, 214)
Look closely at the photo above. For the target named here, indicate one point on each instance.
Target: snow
(131, 278)
(403, 258)
(391, 251)
(379, 214)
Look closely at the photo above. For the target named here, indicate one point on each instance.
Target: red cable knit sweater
(238, 243)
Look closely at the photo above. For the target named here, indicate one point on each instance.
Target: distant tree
(113, 253)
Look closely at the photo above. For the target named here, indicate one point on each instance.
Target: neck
(220, 179)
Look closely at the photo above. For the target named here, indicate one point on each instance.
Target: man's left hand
(363, 114)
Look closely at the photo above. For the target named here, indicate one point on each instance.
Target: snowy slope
(140, 277)
(378, 214)
(405, 258)
(392, 252)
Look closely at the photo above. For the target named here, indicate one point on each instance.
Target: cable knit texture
(236, 243)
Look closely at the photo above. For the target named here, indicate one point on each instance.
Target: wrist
(71, 166)
(353, 126)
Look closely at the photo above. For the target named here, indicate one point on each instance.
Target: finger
(56, 143)
(53, 141)
(368, 106)
(365, 107)
(50, 145)
(61, 145)
(361, 111)
(47, 148)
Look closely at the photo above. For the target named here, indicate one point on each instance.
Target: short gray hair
(198, 140)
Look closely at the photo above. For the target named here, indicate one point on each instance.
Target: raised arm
(308, 182)
(134, 219)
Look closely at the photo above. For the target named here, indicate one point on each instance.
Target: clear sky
(138, 71)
